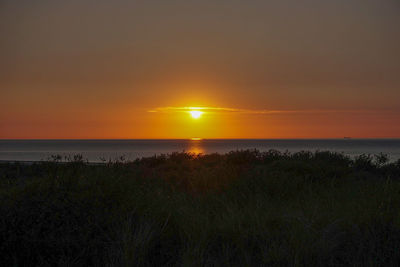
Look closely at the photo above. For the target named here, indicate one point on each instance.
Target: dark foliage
(243, 208)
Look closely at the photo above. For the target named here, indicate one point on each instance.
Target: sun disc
(195, 114)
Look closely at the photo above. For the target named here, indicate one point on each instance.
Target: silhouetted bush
(243, 208)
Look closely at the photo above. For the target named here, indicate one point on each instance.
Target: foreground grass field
(244, 208)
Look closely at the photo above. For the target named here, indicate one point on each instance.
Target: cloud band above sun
(217, 110)
(249, 111)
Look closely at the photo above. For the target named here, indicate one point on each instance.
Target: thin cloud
(251, 111)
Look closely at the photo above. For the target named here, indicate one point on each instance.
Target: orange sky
(94, 69)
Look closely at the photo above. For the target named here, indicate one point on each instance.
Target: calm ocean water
(94, 150)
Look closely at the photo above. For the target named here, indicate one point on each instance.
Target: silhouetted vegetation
(237, 209)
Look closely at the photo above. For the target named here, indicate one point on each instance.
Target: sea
(127, 150)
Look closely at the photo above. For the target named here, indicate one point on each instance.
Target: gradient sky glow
(261, 69)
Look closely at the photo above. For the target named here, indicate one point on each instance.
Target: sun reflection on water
(195, 146)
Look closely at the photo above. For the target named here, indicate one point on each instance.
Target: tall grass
(243, 208)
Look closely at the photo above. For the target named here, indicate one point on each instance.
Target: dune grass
(243, 208)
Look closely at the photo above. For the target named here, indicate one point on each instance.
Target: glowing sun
(195, 114)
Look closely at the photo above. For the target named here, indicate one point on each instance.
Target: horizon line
(191, 138)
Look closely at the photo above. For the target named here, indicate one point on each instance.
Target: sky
(258, 69)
